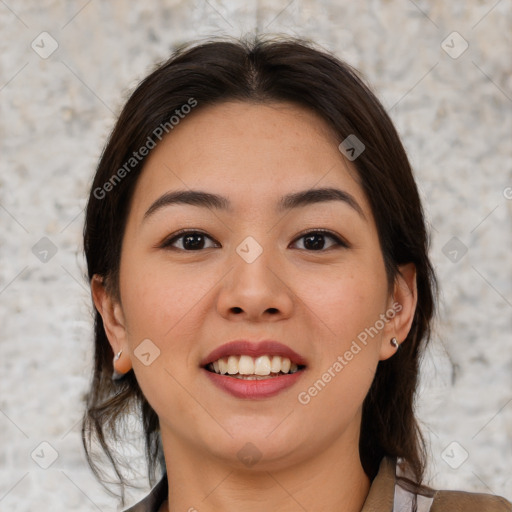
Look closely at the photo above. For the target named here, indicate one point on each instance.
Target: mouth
(254, 370)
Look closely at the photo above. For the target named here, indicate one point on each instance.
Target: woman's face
(266, 259)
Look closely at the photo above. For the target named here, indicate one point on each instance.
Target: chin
(255, 448)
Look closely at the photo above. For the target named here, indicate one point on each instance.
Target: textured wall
(452, 106)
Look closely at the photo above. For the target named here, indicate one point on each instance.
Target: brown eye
(190, 241)
(320, 240)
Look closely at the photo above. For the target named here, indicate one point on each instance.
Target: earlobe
(113, 319)
(403, 304)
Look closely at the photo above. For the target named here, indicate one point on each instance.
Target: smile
(253, 368)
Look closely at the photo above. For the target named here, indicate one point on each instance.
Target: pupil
(193, 241)
(314, 242)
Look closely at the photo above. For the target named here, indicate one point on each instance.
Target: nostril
(236, 310)
(272, 311)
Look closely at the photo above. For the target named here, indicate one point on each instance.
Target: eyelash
(167, 244)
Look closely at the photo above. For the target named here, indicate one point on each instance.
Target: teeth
(262, 365)
(233, 364)
(247, 365)
(255, 377)
(223, 366)
(275, 366)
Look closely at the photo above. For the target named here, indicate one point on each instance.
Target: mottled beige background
(452, 107)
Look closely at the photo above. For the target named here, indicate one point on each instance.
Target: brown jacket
(385, 496)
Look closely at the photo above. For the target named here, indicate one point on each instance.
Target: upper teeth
(247, 365)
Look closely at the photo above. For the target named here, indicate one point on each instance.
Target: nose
(255, 291)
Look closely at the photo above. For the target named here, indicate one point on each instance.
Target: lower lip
(254, 389)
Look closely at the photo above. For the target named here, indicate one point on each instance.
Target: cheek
(345, 301)
(161, 305)
(347, 357)
(156, 298)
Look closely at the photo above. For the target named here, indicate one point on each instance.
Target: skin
(315, 301)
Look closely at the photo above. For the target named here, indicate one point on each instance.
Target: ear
(113, 322)
(401, 309)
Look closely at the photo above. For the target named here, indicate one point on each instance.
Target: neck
(330, 481)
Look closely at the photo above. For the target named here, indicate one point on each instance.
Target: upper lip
(253, 349)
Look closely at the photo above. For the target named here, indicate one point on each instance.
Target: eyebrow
(288, 202)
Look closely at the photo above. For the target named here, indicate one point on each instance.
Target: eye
(317, 240)
(189, 241)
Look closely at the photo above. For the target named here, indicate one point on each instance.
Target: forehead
(248, 150)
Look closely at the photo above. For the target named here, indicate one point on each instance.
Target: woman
(258, 262)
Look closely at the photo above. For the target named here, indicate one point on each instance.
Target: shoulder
(411, 496)
(457, 501)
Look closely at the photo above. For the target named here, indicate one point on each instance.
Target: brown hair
(266, 70)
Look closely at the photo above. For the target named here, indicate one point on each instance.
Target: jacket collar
(382, 491)
(153, 501)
